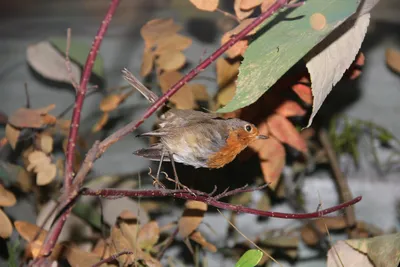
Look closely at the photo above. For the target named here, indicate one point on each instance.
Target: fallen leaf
(175, 42)
(311, 238)
(12, 135)
(120, 243)
(5, 225)
(264, 203)
(205, 5)
(171, 61)
(227, 71)
(157, 29)
(192, 217)
(285, 132)
(147, 63)
(48, 62)
(36, 158)
(226, 94)
(240, 13)
(384, 250)
(24, 181)
(249, 4)
(342, 254)
(393, 59)
(46, 143)
(46, 174)
(285, 242)
(29, 231)
(102, 248)
(148, 235)
(198, 237)
(32, 118)
(184, 98)
(327, 65)
(290, 108)
(7, 198)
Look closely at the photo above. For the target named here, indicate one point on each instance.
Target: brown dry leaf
(226, 94)
(197, 237)
(78, 258)
(206, 5)
(237, 49)
(184, 98)
(272, 157)
(120, 243)
(304, 92)
(285, 132)
(7, 198)
(148, 235)
(12, 135)
(32, 118)
(311, 238)
(393, 59)
(5, 225)
(171, 61)
(101, 122)
(249, 4)
(241, 14)
(266, 4)
(24, 181)
(227, 71)
(191, 217)
(46, 174)
(46, 143)
(129, 225)
(110, 102)
(156, 29)
(175, 42)
(147, 63)
(341, 254)
(36, 158)
(243, 24)
(200, 92)
(28, 231)
(290, 108)
(102, 248)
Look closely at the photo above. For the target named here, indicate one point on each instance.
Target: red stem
(212, 201)
(52, 236)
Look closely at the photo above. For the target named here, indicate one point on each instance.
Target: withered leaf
(266, 4)
(102, 248)
(249, 4)
(206, 5)
(311, 238)
(156, 29)
(175, 42)
(290, 108)
(101, 122)
(110, 102)
(171, 61)
(184, 98)
(393, 59)
(198, 237)
(240, 13)
(46, 174)
(304, 92)
(5, 225)
(285, 132)
(226, 94)
(341, 254)
(200, 92)
(7, 198)
(28, 231)
(192, 217)
(147, 63)
(46, 143)
(148, 235)
(77, 257)
(272, 160)
(227, 71)
(237, 49)
(12, 135)
(120, 243)
(32, 118)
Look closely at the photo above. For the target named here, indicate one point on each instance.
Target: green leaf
(14, 250)
(78, 52)
(287, 39)
(250, 258)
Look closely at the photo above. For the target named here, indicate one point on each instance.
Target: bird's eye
(248, 128)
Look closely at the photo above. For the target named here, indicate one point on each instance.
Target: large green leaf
(288, 37)
(78, 52)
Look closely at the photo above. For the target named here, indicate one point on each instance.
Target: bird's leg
(178, 184)
(157, 180)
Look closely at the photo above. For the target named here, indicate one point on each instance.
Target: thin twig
(68, 62)
(112, 257)
(28, 99)
(212, 201)
(341, 181)
(168, 243)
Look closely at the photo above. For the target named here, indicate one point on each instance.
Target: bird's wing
(152, 153)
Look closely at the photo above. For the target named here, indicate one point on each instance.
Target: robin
(195, 138)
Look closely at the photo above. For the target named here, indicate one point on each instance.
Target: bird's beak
(262, 137)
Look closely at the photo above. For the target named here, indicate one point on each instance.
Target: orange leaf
(101, 122)
(304, 92)
(31, 118)
(174, 42)
(157, 29)
(184, 98)
(171, 61)
(241, 14)
(205, 5)
(285, 132)
(226, 71)
(5, 225)
(200, 92)
(249, 4)
(192, 217)
(148, 235)
(198, 237)
(147, 63)
(266, 4)
(290, 108)
(7, 198)
(272, 156)
(237, 49)
(393, 59)
(110, 102)
(12, 135)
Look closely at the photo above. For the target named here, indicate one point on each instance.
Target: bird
(199, 139)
